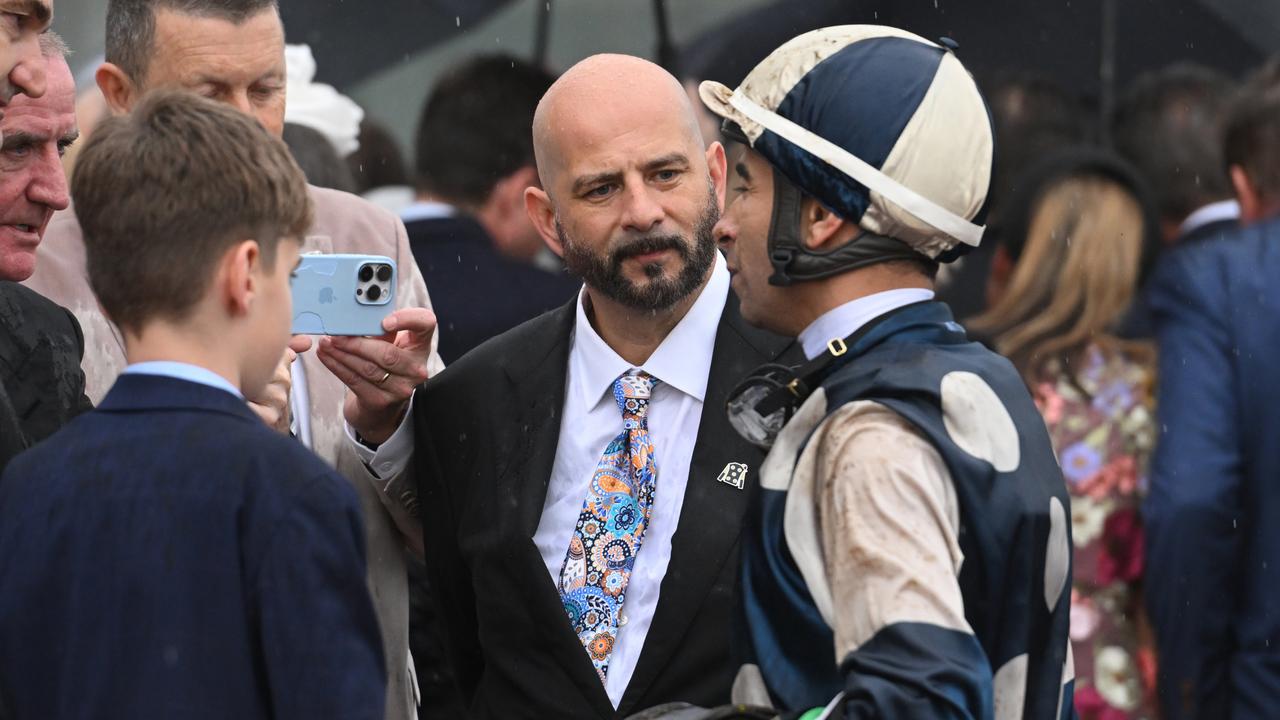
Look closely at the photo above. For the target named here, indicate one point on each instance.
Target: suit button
(386, 467)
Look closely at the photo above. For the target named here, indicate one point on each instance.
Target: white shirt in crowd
(591, 419)
(1213, 212)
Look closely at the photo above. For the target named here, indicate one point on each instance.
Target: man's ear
(238, 275)
(117, 87)
(1251, 209)
(537, 203)
(717, 167)
(823, 229)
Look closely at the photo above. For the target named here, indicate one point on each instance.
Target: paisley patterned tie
(602, 553)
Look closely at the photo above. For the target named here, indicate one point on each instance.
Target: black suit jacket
(478, 293)
(487, 433)
(41, 383)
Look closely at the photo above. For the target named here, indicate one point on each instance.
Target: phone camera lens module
(366, 273)
(384, 273)
(374, 293)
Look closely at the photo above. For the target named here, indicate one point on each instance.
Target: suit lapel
(711, 518)
(537, 389)
(537, 383)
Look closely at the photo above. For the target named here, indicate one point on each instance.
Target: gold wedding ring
(384, 378)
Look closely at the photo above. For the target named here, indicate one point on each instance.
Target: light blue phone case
(325, 299)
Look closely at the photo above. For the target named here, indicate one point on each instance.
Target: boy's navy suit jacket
(168, 555)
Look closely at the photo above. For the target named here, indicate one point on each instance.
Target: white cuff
(392, 456)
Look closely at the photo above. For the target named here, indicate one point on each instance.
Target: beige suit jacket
(344, 223)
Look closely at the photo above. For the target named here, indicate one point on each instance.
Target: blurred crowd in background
(1108, 276)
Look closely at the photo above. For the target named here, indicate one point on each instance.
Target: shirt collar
(426, 211)
(1213, 212)
(184, 371)
(847, 319)
(683, 360)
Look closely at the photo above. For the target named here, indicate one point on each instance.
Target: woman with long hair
(1068, 267)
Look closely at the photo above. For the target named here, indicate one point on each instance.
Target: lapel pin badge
(734, 474)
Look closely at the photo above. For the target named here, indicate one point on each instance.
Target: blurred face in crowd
(630, 193)
(21, 62)
(743, 234)
(32, 185)
(241, 64)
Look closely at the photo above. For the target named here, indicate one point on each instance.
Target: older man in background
(41, 384)
(23, 72)
(233, 51)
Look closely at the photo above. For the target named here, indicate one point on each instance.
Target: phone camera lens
(366, 273)
(374, 293)
(384, 273)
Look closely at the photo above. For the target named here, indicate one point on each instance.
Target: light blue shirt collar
(847, 319)
(184, 371)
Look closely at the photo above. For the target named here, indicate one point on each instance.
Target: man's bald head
(599, 99)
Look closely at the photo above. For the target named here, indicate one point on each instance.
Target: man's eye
(665, 175)
(18, 151)
(600, 192)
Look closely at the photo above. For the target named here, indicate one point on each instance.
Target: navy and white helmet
(883, 127)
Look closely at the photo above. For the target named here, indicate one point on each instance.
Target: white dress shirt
(1213, 212)
(847, 319)
(591, 419)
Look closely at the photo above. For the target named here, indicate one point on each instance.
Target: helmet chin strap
(793, 262)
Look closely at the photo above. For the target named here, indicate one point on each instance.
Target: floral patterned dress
(1102, 425)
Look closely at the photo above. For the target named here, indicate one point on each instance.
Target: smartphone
(342, 294)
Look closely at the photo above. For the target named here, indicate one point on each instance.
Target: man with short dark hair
(233, 51)
(167, 554)
(1251, 144)
(1168, 125)
(1210, 513)
(469, 230)
(41, 383)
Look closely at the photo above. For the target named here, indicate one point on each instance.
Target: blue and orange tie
(602, 553)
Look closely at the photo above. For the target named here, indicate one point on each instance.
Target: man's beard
(603, 273)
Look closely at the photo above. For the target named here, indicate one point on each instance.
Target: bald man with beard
(582, 492)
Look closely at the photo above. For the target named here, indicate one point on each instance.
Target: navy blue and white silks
(1008, 657)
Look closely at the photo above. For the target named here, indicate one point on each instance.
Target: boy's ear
(239, 276)
(825, 230)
